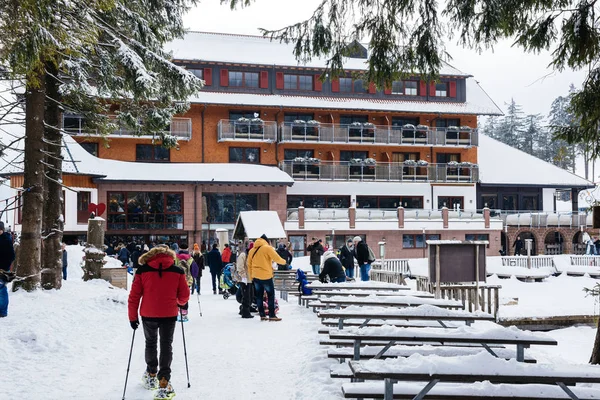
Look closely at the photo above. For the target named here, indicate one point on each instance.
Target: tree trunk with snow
(94, 251)
(595, 358)
(53, 222)
(28, 268)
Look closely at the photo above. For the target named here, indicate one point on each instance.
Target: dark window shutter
(318, 84)
(208, 76)
(423, 89)
(224, 77)
(452, 88)
(279, 80)
(335, 85)
(432, 89)
(264, 79)
(372, 88)
(387, 90)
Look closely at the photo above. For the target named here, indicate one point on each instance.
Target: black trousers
(152, 329)
(245, 287)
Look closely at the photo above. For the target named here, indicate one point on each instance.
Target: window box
(422, 163)
(307, 160)
(452, 133)
(422, 131)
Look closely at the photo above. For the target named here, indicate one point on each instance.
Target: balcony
(248, 130)
(368, 170)
(407, 135)
(74, 125)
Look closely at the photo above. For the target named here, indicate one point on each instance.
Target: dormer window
(441, 89)
(407, 88)
(297, 82)
(243, 79)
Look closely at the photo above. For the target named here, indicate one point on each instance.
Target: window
(389, 202)
(291, 117)
(401, 121)
(72, 123)
(445, 158)
(346, 155)
(290, 154)
(345, 84)
(415, 241)
(359, 86)
(451, 202)
(509, 202)
(401, 157)
(235, 115)
(477, 236)
(397, 87)
(411, 88)
(245, 155)
(243, 79)
(224, 208)
(297, 82)
(530, 203)
(446, 122)
(490, 201)
(83, 201)
(145, 210)
(318, 201)
(349, 119)
(298, 245)
(441, 89)
(199, 73)
(151, 153)
(91, 148)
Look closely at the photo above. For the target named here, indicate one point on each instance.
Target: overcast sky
(504, 73)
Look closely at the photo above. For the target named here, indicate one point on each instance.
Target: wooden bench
(420, 313)
(366, 293)
(371, 285)
(400, 324)
(496, 335)
(467, 370)
(390, 301)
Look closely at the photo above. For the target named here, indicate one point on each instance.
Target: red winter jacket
(160, 284)
(226, 257)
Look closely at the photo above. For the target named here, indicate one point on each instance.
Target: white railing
(522, 261)
(541, 219)
(249, 131)
(587, 261)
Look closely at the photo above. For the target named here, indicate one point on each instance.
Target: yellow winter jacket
(260, 260)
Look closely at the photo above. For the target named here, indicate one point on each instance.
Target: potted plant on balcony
(422, 163)
(452, 132)
(409, 132)
(369, 130)
(369, 161)
(422, 131)
(410, 163)
(312, 128)
(242, 125)
(355, 130)
(257, 126)
(465, 132)
(299, 127)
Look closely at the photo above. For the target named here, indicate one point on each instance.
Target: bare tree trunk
(53, 223)
(587, 163)
(28, 268)
(595, 358)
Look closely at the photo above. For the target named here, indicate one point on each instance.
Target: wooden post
(94, 249)
(437, 271)
(477, 276)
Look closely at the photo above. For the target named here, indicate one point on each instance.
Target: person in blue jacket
(7, 256)
(215, 264)
(65, 261)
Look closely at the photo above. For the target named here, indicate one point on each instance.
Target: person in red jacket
(226, 257)
(162, 287)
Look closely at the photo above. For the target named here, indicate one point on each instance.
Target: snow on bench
(365, 293)
(470, 369)
(389, 301)
(368, 352)
(370, 285)
(404, 324)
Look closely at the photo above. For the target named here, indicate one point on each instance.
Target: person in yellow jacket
(260, 267)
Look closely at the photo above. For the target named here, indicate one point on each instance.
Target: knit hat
(357, 239)
(196, 247)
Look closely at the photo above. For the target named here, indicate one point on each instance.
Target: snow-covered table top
(391, 301)
(488, 334)
(365, 293)
(426, 312)
(473, 368)
(370, 285)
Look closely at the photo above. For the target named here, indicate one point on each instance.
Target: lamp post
(424, 242)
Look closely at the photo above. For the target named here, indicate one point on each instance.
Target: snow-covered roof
(500, 164)
(78, 161)
(254, 224)
(248, 49)
(478, 102)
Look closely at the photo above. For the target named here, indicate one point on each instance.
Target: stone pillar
(445, 217)
(94, 249)
(301, 217)
(401, 217)
(486, 217)
(352, 215)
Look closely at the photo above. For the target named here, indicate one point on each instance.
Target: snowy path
(74, 344)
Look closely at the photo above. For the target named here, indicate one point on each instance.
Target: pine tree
(560, 118)
(512, 126)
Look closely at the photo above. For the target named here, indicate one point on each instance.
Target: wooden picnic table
(422, 313)
(357, 286)
(471, 369)
(389, 301)
(484, 337)
(366, 293)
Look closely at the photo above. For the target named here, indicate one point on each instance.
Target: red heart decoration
(92, 207)
(101, 208)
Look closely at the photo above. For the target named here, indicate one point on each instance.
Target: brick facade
(570, 237)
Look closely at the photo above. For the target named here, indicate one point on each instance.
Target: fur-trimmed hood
(158, 255)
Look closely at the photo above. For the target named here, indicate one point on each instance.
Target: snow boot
(274, 319)
(165, 390)
(264, 318)
(149, 381)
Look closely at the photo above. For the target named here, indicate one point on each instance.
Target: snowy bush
(465, 128)
(370, 161)
(409, 127)
(422, 127)
(307, 160)
(299, 122)
(466, 164)
(369, 125)
(422, 163)
(243, 120)
(257, 121)
(313, 122)
(452, 128)
(356, 124)
(452, 163)
(410, 162)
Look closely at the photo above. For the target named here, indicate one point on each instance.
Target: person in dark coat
(215, 264)
(332, 268)
(123, 255)
(161, 287)
(316, 250)
(65, 261)
(7, 256)
(110, 249)
(286, 255)
(361, 253)
(347, 258)
(518, 245)
(135, 256)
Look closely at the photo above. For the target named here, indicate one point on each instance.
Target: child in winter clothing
(189, 266)
(199, 259)
(161, 286)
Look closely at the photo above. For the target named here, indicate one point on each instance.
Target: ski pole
(187, 371)
(199, 306)
(128, 364)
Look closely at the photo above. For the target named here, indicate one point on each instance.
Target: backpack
(301, 277)
(372, 257)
